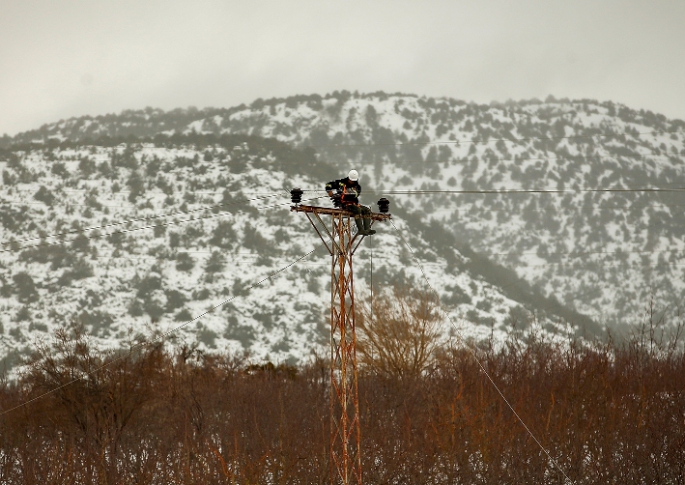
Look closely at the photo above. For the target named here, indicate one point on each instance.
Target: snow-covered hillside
(598, 249)
(604, 253)
(136, 239)
(580, 199)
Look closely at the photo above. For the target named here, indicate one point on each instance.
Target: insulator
(384, 205)
(296, 195)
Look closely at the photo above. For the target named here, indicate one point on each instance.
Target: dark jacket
(345, 190)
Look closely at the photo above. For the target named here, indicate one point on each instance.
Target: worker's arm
(331, 186)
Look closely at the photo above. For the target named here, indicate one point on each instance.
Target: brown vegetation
(398, 332)
(606, 414)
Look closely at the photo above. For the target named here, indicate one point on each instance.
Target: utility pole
(337, 236)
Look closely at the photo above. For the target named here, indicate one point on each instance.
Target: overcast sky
(63, 58)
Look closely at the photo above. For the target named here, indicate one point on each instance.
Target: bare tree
(398, 331)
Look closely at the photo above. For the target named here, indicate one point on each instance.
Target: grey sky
(68, 58)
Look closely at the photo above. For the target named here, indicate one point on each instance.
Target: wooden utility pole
(346, 462)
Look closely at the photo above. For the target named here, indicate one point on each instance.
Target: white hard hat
(353, 175)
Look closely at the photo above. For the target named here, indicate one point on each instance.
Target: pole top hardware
(296, 198)
(383, 205)
(376, 216)
(296, 195)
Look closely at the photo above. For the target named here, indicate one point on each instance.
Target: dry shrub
(609, 413)
(397, 332)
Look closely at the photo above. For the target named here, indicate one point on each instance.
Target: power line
(613, 262)
(384, 192)
(147, 257)
(124, 191)
(68, 204)
(125, 231)
(158, 338)
(570, 253)
(503, 191)
(247, 257)
(410, 192)
(144, 218)
(521, 191)
(424, 192)
(616, 208)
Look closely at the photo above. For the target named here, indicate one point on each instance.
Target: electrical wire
(147, 257)
(503, 191)
(478, 361)
(124, 191)
(633, 204)
(423, 192)
(145, 218)
(571, 254)
(547, 209)
(527, 191)
(68, 204)
(125, 231)
(158, 338)
(603, 263)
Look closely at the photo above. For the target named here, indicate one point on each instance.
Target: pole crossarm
(375, 216)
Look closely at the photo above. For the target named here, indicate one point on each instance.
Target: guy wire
(157, 338)
(478, 361)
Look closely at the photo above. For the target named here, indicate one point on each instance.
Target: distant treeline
(606, 413)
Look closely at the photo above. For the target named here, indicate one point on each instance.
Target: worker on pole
(345, 195)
